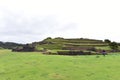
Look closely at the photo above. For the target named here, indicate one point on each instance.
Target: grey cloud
(25, 26)
(19, 28)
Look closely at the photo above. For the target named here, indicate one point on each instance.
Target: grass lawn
(35, 66)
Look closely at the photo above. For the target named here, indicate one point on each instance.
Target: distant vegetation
(9, 45)
(25, 48)
(71, 46)
(114, 46)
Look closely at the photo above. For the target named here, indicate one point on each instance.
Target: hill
(9, 45)
(71, 46)
(67, 44)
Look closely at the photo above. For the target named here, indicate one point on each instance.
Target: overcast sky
(25, 21)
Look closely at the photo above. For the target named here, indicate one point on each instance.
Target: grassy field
(35, 66)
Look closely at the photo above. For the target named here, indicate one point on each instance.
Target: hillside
(66, 44)
(71, 46)
(9, 45)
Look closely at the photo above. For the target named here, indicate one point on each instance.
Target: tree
(59, 38)
(107, 41)
(48, 38)
(113, 45)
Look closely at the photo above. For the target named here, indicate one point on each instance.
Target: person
(104, 52)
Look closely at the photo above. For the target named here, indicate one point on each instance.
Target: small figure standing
(104, 52)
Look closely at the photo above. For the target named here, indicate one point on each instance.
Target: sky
(26, 21)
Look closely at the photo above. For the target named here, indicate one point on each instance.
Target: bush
(107, 41)
(75, 53)
(92, 49)
(113, 46)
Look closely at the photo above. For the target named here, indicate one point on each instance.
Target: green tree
(113, 45)
(107, 41)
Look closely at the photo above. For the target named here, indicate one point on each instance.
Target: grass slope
(35, 66)
(59, 43)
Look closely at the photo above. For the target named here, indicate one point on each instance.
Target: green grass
(87, 44)
(35, 66)
(49, 46)
(104, 48)
(74, 40)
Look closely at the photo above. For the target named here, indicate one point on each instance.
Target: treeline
(9, 45)
(24, 48)
(113, 45)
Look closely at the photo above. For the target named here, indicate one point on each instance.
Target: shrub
(107, 41)
(73, 52)
(113, 46)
